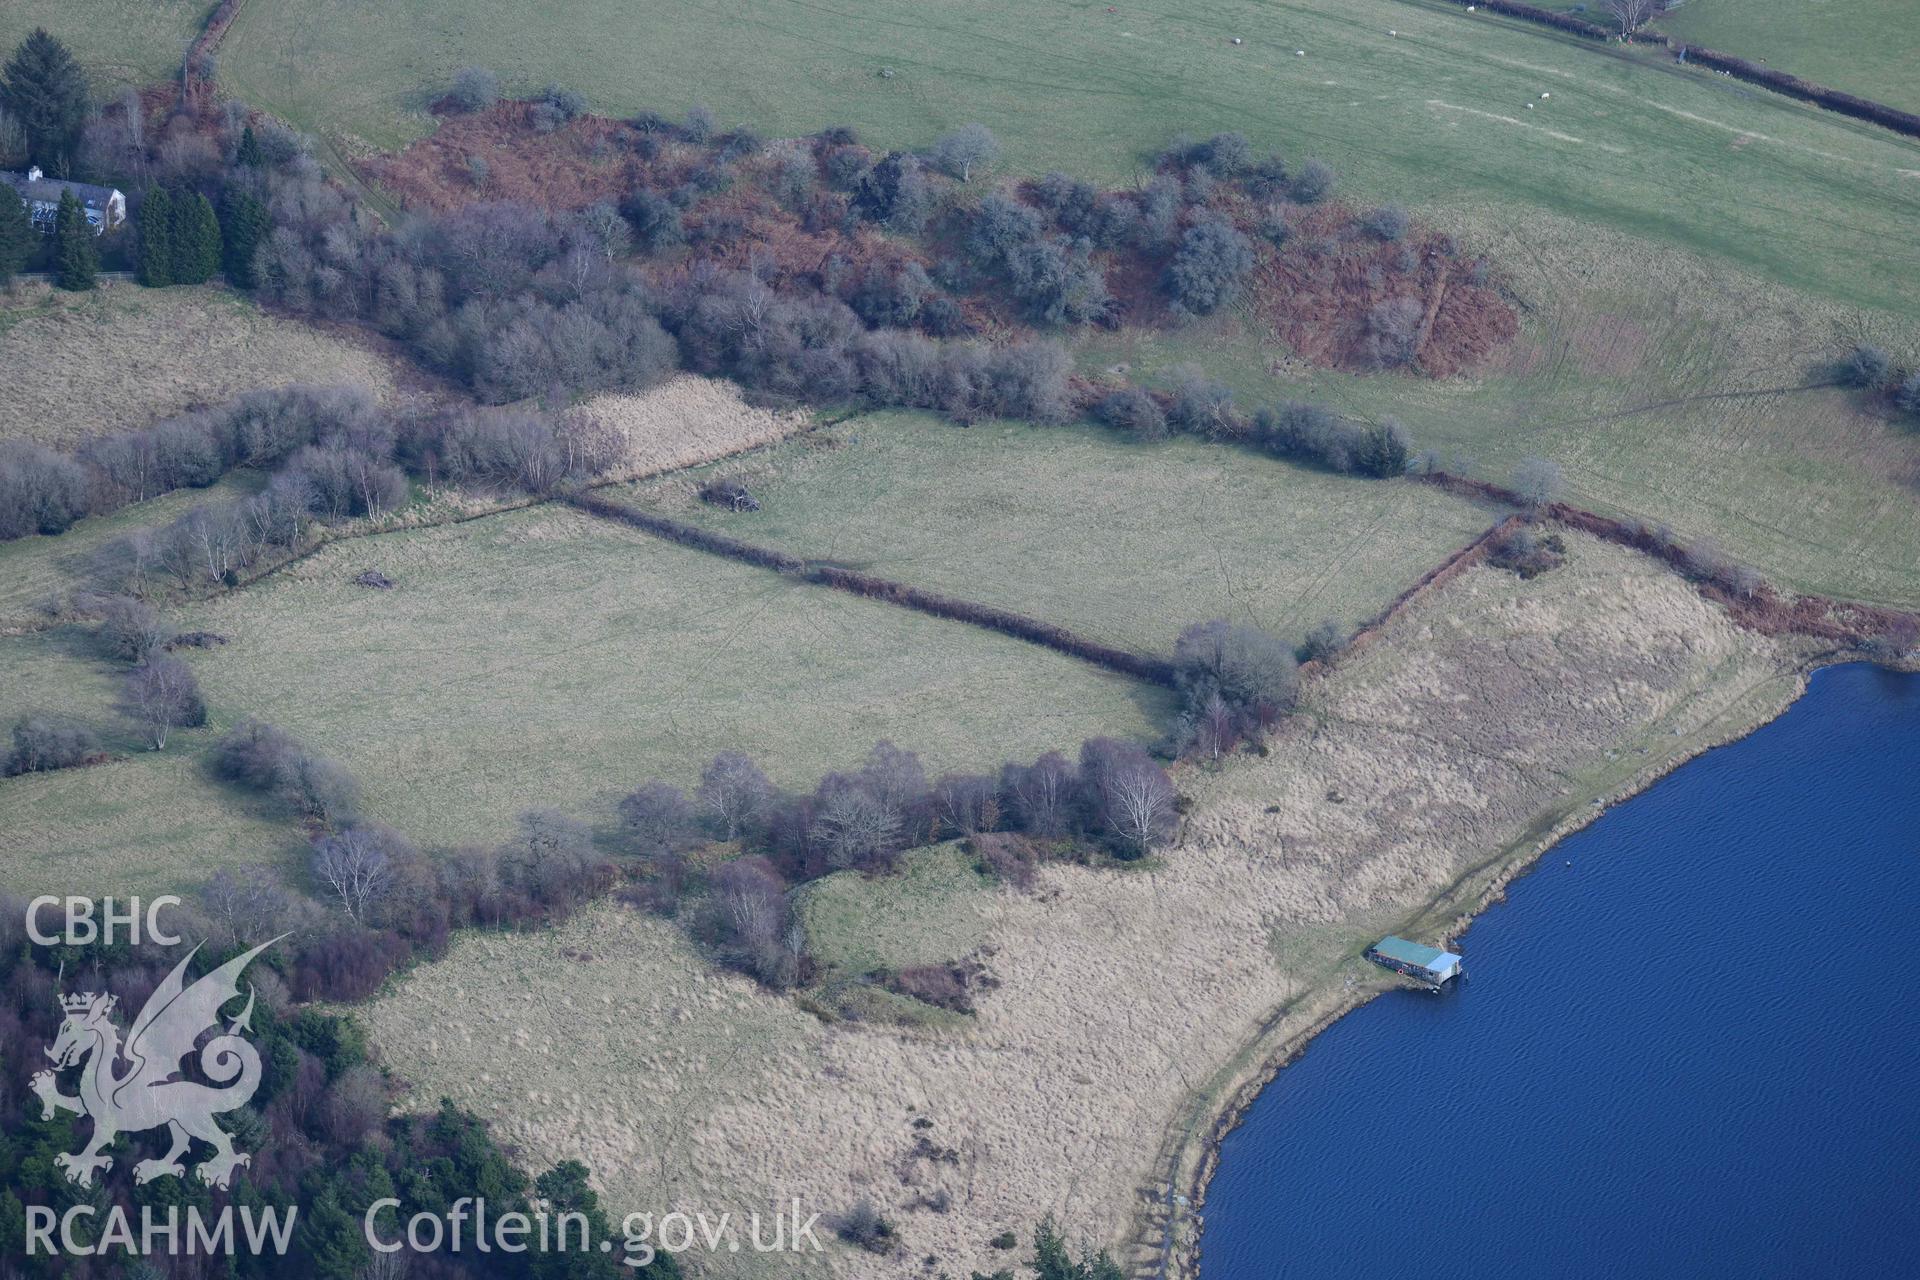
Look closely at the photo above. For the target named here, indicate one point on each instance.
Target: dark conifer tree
(244, 226)
(46, 91)
(196, 239)
(249, 153)
(157, 240)
(18, 239)
(78, 258)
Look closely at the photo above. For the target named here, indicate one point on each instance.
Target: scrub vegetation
(794, 642)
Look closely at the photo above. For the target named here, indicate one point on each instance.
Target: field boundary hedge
(1781, 82)
(1005, 621)
(1548, 18)
(1845, 623)
(1792, 86)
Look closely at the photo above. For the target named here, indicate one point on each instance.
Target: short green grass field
(1125, 543)
(1668, 388)
(119, 42)
(1866, 47)
(934, 911)
(145, 821)
(1425, 103)
(544, 658)
(39, 569)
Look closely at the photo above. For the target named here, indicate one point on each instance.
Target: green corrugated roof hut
(1415, 959)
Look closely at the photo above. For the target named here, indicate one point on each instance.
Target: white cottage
(105, 207)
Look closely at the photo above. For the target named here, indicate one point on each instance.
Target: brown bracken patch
(1326, 293)
(1320, 290)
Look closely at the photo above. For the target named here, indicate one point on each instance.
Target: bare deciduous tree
(247, 905)
(895, 778)
(968, 803)
(474, 89)
(161, 695)
(658, 817)
(1214, 730)
(355, 1104)
(753, 923)
(970, 147)
(1139, 803)
(551, 857)
(1634, 14)
(856, 828)
(734, 793)
(1246, 666)
(1042, 792)
(358, 866)
(1539, 481)
(130, 628)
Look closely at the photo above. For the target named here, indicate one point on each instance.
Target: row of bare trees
(1115, 797)
(45, 491)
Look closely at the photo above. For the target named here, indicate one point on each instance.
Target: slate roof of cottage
(49, 189)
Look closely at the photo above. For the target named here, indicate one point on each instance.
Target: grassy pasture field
(36, 568)
(1418, 102)
(1663, 385)
(933, 911)
(1866, 47)
(145, 821)
(1124, 543)
(117, 41)
(543, 658)
(121, 357)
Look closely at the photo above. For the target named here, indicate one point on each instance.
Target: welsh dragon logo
(149, 1092)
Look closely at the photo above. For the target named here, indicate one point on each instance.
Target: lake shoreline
(1417, 779)
(1283, 1038)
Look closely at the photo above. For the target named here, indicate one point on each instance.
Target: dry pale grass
(686, 421)
(1131, 1004)
(121, 357)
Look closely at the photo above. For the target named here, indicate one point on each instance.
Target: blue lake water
(1695, 1052)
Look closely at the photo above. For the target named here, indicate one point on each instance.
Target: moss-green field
(1122, 542)
(144, 821)
(543, 658)
(1446, 115)
(934, 911)
(38, 568)
(1866, 47)
(1669, 388)
(118, 42)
